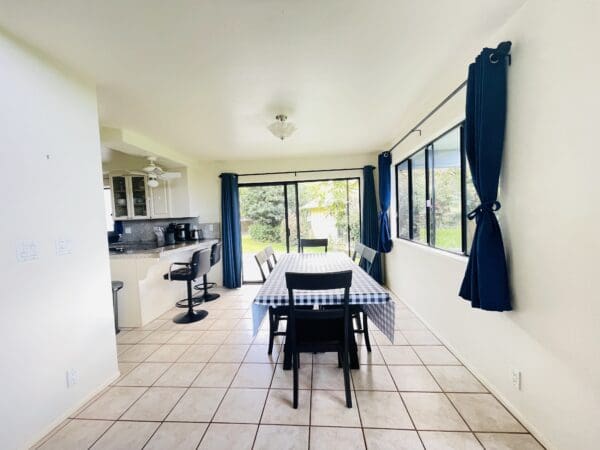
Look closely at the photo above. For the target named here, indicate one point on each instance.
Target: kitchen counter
(131, 251)
(146, 295)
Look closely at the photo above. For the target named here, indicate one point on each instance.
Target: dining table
(365, 291)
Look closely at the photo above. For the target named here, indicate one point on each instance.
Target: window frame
(428, 149)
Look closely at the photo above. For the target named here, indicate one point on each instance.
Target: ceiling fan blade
(170, 175)
(136, 172)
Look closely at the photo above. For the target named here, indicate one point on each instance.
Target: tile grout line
(404, 403)
(270, 388)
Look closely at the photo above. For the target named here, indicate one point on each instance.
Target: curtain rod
(297, 172)
(431, 113)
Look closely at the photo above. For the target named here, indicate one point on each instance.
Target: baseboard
(486, 382)
(52, 427)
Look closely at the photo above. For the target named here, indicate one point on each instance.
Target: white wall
(549, 218)
(56, 310)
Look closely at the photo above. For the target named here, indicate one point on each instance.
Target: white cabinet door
(119, 187)
(160, 201)
(138, 188)
(130, 197)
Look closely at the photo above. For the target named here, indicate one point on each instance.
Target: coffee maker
(182, 231)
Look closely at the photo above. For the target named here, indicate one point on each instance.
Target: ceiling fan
(155, 173)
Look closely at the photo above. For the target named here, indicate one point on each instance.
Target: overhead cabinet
(133, 199)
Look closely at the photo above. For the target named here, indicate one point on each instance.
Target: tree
(264, 206)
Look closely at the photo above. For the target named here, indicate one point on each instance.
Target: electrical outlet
(27, 251)
(127, 230)
(63, 247)
(72, 377)
(516, 378)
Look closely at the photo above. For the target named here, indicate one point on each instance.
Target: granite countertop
(138, 251)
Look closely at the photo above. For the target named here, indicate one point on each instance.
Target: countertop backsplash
(143, 230)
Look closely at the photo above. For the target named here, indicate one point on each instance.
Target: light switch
(27, 251)
(64, 247)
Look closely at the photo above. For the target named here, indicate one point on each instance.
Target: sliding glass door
(280, 214)
(330, 209)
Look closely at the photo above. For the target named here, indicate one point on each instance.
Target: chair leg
(271, 330)
(366, 331)
(339, 359)
(357, 322)
(191, 315)
(295, 357)
(346, 365)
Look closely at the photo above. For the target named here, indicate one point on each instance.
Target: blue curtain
(369, 231)
(231, 236)
(385, 196)
(486, 279)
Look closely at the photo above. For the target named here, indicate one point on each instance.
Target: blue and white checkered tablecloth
(364, 290)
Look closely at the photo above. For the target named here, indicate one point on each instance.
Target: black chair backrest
(261, 259)
(200, 263)
(358, 251)
(313, 243)
(271, 254)
(317, 282)
(369, 255)
(215, 253)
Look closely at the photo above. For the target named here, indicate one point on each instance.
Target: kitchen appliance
(180, 232)
(188, 231)
(196, 234)
(159, 232)
(170, 234)
(113, 237)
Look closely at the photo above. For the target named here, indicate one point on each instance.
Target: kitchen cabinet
(130, 197)
(160, 201)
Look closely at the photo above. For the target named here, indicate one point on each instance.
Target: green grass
(250, 245)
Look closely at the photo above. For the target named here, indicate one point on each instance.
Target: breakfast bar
(146, 295)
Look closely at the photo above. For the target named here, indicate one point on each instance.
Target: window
(446, 200)
(404, 203)
(419, 197)
(433, 194)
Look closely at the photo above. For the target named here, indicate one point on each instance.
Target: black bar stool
(116, 287)
(199, 266)
(215, 257)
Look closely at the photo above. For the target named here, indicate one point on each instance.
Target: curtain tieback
(483, 208)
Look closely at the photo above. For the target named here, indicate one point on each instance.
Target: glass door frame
(295, 183)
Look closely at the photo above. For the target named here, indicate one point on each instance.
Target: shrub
(264, 233)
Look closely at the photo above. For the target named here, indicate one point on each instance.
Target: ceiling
(207, 77)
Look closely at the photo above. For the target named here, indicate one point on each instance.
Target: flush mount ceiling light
(280, 128)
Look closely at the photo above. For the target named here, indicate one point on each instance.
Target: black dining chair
(276, 313)
(368, 255)
(271, 255)
(358, 250)
(320, 330)
(196, 268)
(262, 260)
(305, 243)
(361, 326)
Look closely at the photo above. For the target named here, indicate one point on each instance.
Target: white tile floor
(211, 385)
